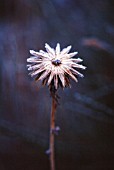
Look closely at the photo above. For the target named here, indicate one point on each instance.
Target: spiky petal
(54, 67)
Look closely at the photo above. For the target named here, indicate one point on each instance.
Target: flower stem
(52, 135)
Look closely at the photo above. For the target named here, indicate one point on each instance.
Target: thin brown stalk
(52, 135)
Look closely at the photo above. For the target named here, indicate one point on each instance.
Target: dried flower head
(54, 67)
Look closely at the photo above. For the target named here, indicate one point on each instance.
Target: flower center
(56, 62)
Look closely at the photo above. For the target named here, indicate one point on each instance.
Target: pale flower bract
(54, 67)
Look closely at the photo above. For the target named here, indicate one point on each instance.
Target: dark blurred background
(86, 111)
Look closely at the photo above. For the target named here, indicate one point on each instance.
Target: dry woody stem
(52, 127)
(52, 135)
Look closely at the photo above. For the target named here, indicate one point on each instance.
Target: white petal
(28, 65)
(44, 75)
(67, 70)
(77, 72)
(40, 54)
(71, 54)
(34, 53)
(66, 50)
(41, 51)
(29, 68)
(58, 48)
(33, 60)
(50, 78)
(73, 77)
(37, 66)
(77, 60)
(56, 81)
(78, 66)
(61, 76)
(37, 71)
(45, 54)
(49, 49)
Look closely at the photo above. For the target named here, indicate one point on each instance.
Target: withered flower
(54, 67)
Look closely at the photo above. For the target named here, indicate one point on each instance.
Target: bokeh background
(86, 111)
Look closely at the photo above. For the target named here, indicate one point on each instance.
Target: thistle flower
(54, 67)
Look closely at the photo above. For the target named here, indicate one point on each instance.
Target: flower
(54, 67)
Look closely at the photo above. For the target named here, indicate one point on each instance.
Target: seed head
(54, 67)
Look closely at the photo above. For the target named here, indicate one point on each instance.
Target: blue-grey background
(86, 111)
